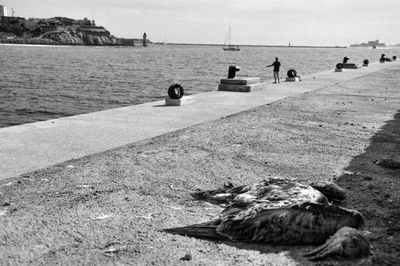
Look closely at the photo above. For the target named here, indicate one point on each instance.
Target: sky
(253, 22)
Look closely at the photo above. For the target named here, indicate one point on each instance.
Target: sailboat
(230, 47)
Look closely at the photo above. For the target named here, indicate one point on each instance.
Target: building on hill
(57, 30)
(84, 22)
(32, 23)
(375, 43)
(65, 21)
(34, 27)
(78, 22)
(13, 23)
(3, 11)
(50, 22)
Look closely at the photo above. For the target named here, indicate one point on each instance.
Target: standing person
(276, 66)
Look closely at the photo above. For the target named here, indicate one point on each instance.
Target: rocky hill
(57, 31)
(81, 36)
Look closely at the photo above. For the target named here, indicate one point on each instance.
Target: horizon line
(256, 45)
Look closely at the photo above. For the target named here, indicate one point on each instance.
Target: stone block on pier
(294, 79)
(241, 81)
(349, 66)
(173, 102)
(241, 88)
(241, 84)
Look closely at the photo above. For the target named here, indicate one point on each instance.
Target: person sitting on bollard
(276, 66)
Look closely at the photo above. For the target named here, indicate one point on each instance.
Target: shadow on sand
(372, 182)
(373, 187)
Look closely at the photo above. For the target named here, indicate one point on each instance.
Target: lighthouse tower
(144, 39)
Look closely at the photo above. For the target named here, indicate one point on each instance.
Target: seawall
(30, 147)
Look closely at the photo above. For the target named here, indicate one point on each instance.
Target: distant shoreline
(257, 45)
(49, 43)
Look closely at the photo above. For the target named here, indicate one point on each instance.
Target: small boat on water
(230, 47)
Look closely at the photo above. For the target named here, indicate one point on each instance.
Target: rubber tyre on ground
(292, 73)
(175, 91)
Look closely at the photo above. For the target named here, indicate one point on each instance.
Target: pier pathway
(30, 147)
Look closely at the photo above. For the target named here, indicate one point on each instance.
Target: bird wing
(300, 224)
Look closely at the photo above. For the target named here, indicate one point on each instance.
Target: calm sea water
(44, 82)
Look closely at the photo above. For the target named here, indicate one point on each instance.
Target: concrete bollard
(232, 71)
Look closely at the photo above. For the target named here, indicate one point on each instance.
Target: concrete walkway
(30, 147)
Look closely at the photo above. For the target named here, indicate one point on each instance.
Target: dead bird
(279, 211)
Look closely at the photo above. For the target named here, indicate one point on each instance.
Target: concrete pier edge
(30, 147)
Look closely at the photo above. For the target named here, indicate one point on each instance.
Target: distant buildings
(369, 44)
(57, 30)
(33, 27)
(13, 24)
(3, 11)
(20, 25)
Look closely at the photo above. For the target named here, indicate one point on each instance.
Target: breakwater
(44, 82)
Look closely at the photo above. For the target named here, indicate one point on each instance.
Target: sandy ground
(109, 208)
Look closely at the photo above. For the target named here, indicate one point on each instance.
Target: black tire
(292, 73)
(366, 62)
(175, 91)
(338, 66)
